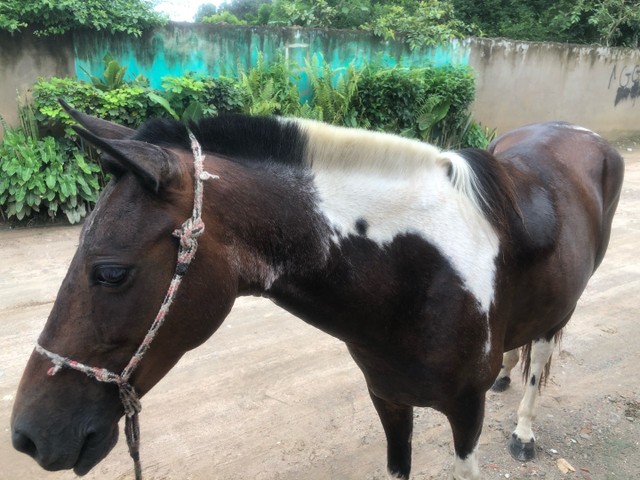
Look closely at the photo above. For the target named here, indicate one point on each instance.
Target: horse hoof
(501, 384)
(523, 452)
(393, 474)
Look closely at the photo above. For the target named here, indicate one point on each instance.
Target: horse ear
(102, 128)
(152, 165)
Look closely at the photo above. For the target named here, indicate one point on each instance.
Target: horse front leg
(397, 422)
(522, 443)
(465, 417)
(509, 360)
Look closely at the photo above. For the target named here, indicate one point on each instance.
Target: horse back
(567, 181)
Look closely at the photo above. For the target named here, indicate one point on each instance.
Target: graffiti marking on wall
(627, 82)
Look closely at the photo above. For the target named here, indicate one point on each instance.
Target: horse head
(110, 296)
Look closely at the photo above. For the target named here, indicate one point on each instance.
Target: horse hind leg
(522, 443)
(397, 422)
(509, 360)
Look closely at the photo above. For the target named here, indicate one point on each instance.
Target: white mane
(340, 148)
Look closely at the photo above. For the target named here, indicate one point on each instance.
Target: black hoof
(395, 472)
(501, 384)
(523, 452)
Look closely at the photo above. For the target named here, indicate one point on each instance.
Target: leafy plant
(225, 94)
(224, 17)
(304, 13)
(113, 74)
(433, 110)
(424, 24)
(613, 22)
(478, 136)
(128, 104)
(42, 175)
(333, 98)
(50, 17)
(270, 89)
(189, 98)
(607, 22)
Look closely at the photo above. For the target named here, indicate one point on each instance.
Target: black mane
(235, 136)
(495, 187)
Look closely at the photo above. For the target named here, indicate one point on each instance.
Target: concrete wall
(520, 83)
(24, 58)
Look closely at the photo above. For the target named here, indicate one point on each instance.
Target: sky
(182, 10)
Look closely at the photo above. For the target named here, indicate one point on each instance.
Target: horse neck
(266, 218)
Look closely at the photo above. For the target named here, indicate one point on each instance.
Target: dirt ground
(269, 397)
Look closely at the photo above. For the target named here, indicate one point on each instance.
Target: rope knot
(189, 233)
(129, 398)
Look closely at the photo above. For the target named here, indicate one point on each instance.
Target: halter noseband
(188, 234)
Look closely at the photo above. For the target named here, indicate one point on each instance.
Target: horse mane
(475, 173)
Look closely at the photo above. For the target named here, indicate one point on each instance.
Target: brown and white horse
(429, 265)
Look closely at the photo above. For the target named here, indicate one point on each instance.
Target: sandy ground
(269, 397)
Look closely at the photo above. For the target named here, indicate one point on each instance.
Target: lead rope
(188, 234)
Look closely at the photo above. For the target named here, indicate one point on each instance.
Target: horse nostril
(24, 444)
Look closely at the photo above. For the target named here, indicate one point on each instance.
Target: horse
(428, 264)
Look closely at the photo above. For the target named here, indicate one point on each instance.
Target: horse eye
(109, 275)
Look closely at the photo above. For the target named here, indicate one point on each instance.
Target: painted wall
(520, 83)
(226, 50)
(24, 58)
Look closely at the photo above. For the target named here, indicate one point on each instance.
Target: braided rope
(188, 235)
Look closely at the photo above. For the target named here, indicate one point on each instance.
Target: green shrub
(224, 17)
(421, 24)
(429, 103)
(128, 104)
(225, 94)
(45, 175)
(55, 17)
(387, 98)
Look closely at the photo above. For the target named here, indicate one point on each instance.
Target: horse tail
(612, 177)
(525, 355)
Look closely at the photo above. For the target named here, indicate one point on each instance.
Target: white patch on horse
(253, 268)
(541, 351)
(89, 224)
(468, 468)
(401, 186)
(487, 344)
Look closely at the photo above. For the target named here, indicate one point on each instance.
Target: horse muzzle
(66, 422)
(66, 450)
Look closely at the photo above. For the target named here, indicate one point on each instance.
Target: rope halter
(188, 235)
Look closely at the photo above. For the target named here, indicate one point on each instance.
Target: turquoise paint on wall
(216, 50)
